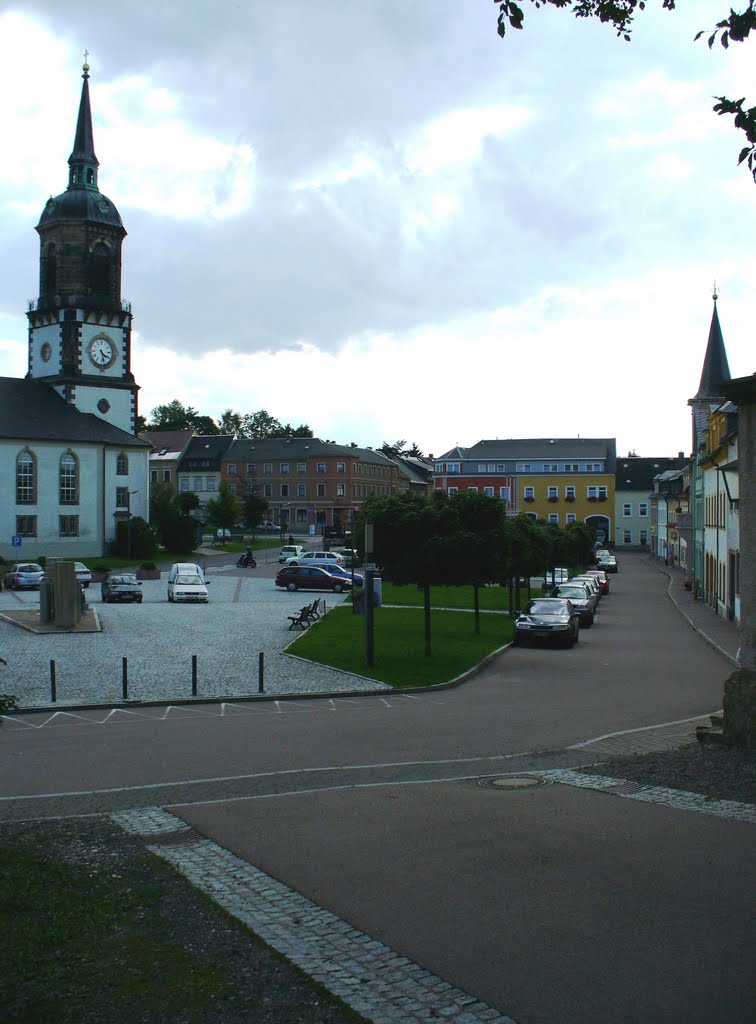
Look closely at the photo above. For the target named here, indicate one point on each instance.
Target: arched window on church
(26, 478)
(122, 464)
(90, 177)
(100, 269)
(69, 479)
(51, 271)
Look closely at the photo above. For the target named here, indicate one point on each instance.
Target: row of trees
(171, 514)
(177, 416)
(466, 539)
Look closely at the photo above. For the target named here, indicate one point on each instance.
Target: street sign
(16, 541)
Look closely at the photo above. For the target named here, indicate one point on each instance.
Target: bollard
(53, 686)
(194, 675)
(125, 679)
(260, 672)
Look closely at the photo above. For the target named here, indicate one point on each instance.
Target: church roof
(33, 411)
(716, 370)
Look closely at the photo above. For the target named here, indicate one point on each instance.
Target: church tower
(79, 327)
(715, 372)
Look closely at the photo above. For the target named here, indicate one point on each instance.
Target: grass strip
(493, 598)
(338, 640)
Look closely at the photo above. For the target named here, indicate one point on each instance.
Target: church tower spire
(83, 162)
(79, 327)
(715, 372)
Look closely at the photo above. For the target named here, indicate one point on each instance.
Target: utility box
(46, 600)
(66, 593)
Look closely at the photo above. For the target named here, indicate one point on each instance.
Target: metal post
(53, 686)
(125, 678)
(194, 675)
(261, 672)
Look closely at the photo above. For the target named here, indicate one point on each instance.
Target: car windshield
(572, 592)
(123, 580)
(189, 581)
(546, 608)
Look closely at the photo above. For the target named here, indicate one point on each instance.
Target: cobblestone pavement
(369, 976)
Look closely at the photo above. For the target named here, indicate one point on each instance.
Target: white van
(186, 582)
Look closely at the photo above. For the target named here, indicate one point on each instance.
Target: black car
(547, 618)
(121, 586)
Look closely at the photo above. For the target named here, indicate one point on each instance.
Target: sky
(382, 220)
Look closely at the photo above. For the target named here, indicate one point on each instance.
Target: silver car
(583, 600)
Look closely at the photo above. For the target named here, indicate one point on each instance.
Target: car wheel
(337, 588)
(589, 622)
(291, 586)
(170, 598)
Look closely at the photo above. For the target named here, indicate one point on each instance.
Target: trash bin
(377, 591)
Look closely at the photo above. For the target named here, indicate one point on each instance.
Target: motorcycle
(246, 561)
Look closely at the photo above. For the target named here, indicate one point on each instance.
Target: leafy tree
(581, 537)
(224, 511)
(164, 507)
(254, 510)
(735, 28)
(414, 451)
(231, 423)
(134, 538)
(176, 416)
(178, 534)
(393, 450)
(188, 501)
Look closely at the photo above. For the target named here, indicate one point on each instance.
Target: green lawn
(493, 598)
(338, 639)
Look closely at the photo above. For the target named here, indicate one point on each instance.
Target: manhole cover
(511, 782)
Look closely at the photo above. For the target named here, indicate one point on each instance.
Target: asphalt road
(552, 904)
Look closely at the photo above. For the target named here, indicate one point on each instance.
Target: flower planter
(148, 574)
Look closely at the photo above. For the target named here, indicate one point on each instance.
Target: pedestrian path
(722, 634)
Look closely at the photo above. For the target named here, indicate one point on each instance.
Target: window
(231, 468)
(643, 536)
(251, 468)
(472, 489)
(26, 526)
(284, 490)
(593, 467)
(340, 492)
(643, 509)
(301, 467)
(341, 467)
(554, 517)
(184, 485)
(488, 491)
(627, 508)
(69, 526)
(122, 464)
(26, 479)
(301, 490)
(569, 492)
(153, 475)
(598, 492)
(320, 468)
(523, 467)
(166, 476)
(439, 467)
(198, 483)
(499, 467)
(627, 536)
(268, 490)
(571, 467)
(553, 492)
(267, 467)
(481, 467)
(570, 518)
(550, 467)
(529, 492)
(122, 498)
(321, 490)
(232, 487)
(453, 490)
(284, 467)
(209, 483)
(452, 467)
(505, 493)
(69, 479)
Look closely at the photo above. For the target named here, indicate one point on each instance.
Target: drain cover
(511, 782)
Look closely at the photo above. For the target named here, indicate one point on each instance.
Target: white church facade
(71, 463)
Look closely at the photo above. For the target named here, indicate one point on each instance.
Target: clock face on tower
(102, 351)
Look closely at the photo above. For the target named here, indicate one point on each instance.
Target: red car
(311, 577)
(601, 578)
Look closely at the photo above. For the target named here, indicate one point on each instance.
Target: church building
(71, 462)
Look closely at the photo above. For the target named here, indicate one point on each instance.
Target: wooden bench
(302, 618)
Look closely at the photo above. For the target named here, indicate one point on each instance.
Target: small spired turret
(81, 230)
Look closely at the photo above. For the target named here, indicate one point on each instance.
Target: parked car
(311, 577)
(583, 600)
(349, 556)
(290, 551)
(316, 558)
(186, 582)
(601, 577)
(607, 562)
(548, 618)
(121, 586)
(83, 575)
(23, 576)
(590, 581)
(269, 527)
(348, 574)
(554, 576)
